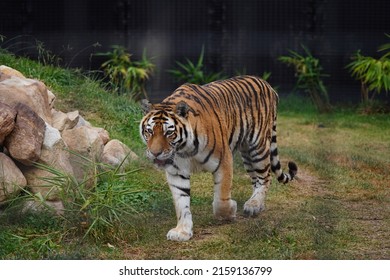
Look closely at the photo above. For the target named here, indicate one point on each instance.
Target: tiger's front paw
(225, 210)
(253, 208)
(178, 234)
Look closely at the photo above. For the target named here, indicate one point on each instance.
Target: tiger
(199, 127)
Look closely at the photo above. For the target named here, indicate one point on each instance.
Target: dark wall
(245, 36)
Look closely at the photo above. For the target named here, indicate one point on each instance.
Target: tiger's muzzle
(160, 159)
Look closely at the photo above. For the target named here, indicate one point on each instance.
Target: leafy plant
(373, 74)
(127, 76)
(309, 77)
(194, 73)
(265, 76)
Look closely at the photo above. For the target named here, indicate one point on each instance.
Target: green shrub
(195, 73)
(125, 75)
(373, 74)
(308, 71)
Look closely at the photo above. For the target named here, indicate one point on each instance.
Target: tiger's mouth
(162, 162)
(159, 162)
(161, 159)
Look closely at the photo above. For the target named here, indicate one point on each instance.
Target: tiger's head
(165, 130)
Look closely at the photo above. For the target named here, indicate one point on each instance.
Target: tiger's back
(239, 108)
(211, 121)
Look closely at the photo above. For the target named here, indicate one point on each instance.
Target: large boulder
(25, 141)
(11, 178)
(8, 71)
(30, 92)
(55, 157)
(115, 153)
(86, 146)
(7, 121)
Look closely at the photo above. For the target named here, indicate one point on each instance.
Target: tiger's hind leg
(258, 165)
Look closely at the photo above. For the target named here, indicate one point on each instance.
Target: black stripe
(261, 159)
(196, 142)
(276, 167)
(201, 94)
(245, 157)
(184, 190)
(281, 178)
(219, 164)
(210, 153)
(274, 153)
(184, 130)
(254, 148)
(183, 177)
(195, 145)
(261, 171)
(205, 94)
(181, 145)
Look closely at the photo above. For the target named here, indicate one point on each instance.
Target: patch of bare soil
(308, 184)
(367, 217)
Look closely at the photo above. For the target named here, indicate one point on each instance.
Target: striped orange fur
(200, 127)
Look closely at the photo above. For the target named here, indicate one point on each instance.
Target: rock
(115, 152)
(51, 98)
(54, 155)
(30, 92)
(83, 122)
(85, 142)
(103, 134)
(62, 121)
(55, 152)
(52, 137)
(24, 143)
(10, 71)
(11, 178)
(7, 121)
(59, 119)
(73, 119)
(38, 182)
(39, 206)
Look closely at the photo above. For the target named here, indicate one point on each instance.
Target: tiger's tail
(275, 162)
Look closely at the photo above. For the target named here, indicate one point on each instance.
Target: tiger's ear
(182, 109)
(146, 106)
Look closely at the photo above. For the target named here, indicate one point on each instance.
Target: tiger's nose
(156, 154)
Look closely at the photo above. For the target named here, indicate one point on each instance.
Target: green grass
(338, 208)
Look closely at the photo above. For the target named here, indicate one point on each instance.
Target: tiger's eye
(148, 131)
(169, 133)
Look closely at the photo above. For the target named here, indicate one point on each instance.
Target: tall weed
(308, 71)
